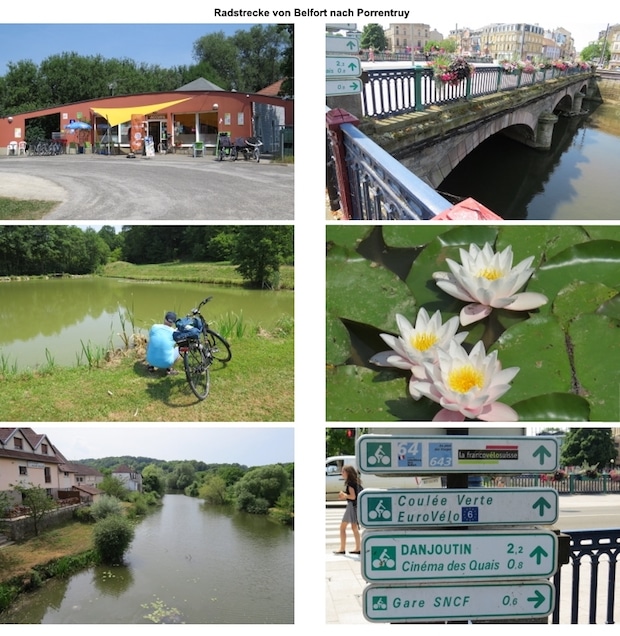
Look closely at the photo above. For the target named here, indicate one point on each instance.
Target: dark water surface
(61, 314)
(188, 563)
(574, 180)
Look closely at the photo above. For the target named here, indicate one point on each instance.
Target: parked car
(334, 483)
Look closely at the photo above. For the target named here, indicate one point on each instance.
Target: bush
(112, 537)
(104, 506)
(83, 515)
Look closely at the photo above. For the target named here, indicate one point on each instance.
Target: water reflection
(188, 563)
(60, 314)
(569, 181)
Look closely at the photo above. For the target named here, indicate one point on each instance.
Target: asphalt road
(164, 187)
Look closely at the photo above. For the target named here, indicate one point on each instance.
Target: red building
(196, 112)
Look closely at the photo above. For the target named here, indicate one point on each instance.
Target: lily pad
(596, 350)
(538, 347)
(580, 298)
(553, 407)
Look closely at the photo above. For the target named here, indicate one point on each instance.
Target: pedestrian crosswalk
(333, 517)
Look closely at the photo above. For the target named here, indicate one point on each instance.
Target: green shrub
(105, 506)
(8, 593)
(112, 536)
(83, 515)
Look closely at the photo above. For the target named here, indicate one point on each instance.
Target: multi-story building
(29, 458)
(612, 46)
(518, 41)
(407, 38)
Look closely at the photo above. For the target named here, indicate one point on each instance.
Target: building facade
(194, 113)
(518, 41)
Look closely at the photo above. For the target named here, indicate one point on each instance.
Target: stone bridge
(431, 143)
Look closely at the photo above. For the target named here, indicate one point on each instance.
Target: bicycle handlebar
(203, 302)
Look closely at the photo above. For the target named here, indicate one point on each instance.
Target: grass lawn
(215, 273)
(256, 385)
(16, 209)
(20, 558)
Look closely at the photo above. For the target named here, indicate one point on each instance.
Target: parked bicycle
(199, 346)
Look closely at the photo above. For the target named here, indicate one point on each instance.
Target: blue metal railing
(391, 92)
(372, 184)
(593, 548)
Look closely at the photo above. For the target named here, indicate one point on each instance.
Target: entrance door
(155, 128)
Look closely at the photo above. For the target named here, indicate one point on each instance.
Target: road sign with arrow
(464, 601)
(457, 507)
(420, 454)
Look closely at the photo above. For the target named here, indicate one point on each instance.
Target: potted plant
(447, 70)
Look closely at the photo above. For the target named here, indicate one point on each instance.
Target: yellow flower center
(423, 341)
(466, 378)
(490, 273)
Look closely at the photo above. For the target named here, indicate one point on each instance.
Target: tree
(112, 536)
(260, 488)
(39, 502)
(594, 52)
(221, 54)
(214, 490)
(114, 487)
(153, 479)
(373, 35)
(340, 441)
(588, 446)
(259, 252)
(105, 506)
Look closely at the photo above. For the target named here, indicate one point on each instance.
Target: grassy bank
(212, 273)
(19, 210)
(256, 385)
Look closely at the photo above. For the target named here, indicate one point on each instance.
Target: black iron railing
(593, 552)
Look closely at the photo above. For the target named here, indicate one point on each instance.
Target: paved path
(169, 187)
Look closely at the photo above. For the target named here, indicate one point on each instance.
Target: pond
(55, 319)
(188, 563)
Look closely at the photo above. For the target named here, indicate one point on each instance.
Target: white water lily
(467, 385)
(487, 280)
(419, 344)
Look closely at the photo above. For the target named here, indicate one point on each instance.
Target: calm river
(60, 314)
(188, 563)
(573, 181)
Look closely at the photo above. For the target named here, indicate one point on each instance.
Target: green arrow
(353, 66)
(538, 552)
(354, 86)
(537, 600)
(541, 503)
(541, 451)
(351, 45)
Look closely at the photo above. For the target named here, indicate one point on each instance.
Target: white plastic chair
(11, 148)
(21, 149)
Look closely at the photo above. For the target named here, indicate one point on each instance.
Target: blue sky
(166, 45)
(251, 446)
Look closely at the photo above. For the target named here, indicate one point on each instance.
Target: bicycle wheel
(197, 370)
(233, 153)
(220, 349)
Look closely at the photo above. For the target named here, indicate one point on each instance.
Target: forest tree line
(255, 489)
(247, 61)
(35, 250)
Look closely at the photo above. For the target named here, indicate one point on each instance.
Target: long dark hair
(352, 476)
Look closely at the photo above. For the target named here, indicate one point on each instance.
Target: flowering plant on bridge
(448, 70)
(565, 350)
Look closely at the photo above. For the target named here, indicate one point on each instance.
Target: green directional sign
(457, 507)
(343, 87)
(337, 44)
(464, 601)
(438, 555)
(420, 454)
(342, 66)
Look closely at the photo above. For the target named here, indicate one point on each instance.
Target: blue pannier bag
(187, 328)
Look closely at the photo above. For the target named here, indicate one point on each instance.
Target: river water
(572, 181)
(61, 314)
(188, 563)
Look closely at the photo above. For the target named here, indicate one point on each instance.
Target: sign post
(435, 554)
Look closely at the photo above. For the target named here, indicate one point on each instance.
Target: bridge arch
(530, 122)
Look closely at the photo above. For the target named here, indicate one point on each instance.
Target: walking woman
(352, 487)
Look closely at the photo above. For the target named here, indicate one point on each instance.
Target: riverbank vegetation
(257, 490)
